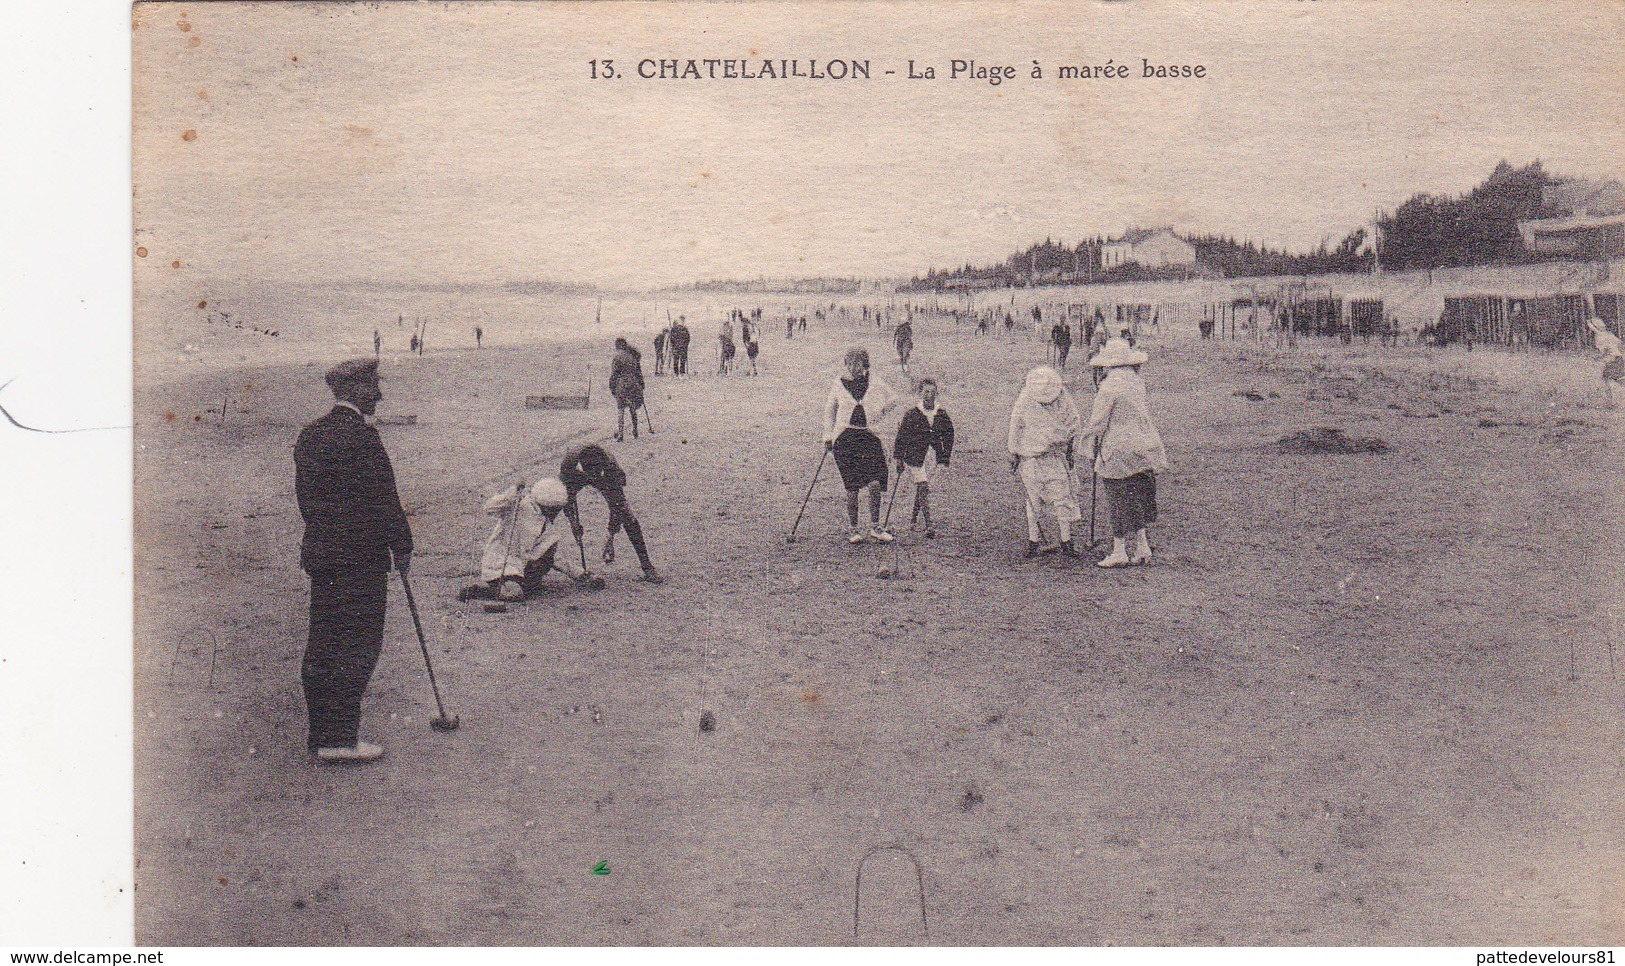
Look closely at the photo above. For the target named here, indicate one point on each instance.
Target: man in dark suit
(678, 341)
(354, 528)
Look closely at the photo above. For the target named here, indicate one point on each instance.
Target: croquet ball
(708, 721)
(685, 442)
(797, 581)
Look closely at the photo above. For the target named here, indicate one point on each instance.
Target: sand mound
(1327, 439)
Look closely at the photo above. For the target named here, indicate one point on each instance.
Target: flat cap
(351, 370)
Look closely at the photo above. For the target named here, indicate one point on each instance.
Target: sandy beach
(1362, 699)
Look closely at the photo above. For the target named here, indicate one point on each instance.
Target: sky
(466, 142)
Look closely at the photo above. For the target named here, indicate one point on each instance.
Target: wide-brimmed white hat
(1117, 352)
(1044, 385)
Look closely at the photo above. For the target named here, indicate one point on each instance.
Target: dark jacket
(346, 491)
(679, 338)
(590, 465)
(626, 377)
(915, 435)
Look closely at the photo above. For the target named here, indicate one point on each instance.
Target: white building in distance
(1150, 247)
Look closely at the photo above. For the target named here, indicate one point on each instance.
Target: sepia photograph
(878, 473)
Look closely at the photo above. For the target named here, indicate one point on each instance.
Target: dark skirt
(1133, 502)
(628, 395)
(1614, 369)
(860, 458)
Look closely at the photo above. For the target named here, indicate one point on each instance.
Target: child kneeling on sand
(523, 547)
(925, 440)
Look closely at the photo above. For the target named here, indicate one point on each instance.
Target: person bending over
(591, 466)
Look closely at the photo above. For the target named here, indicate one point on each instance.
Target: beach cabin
(1588, 220)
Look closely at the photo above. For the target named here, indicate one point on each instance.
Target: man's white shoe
(880, 536)
(363, 751)
(856, 537)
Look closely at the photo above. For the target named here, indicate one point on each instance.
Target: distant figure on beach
(1060, 335)
(1096, 343)
(479, 337)
(803, 326)
(925, 441)
(679, 347)
(790, 327)
(523, 546)
(592, 466)
(1130, 454)
(725, 353)
(355, 529)
(414, 344)
(660, 350)
(857, 402)
(752, 347)
(1009, 323)
(904, 339)
(1044, 425)
(626, 385)
(377, 343)
(1613, 360)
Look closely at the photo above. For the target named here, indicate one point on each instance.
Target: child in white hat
(523, 546)
(1130, 452)
(1043, 430)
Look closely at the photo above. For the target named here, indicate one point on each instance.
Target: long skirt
(1049, 486)
(1133, 502)
(1614, 369)
(861, 459)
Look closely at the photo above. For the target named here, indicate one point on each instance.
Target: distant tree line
(800, 285)
(1234, 259)
(1428, 231)
(1480, 227)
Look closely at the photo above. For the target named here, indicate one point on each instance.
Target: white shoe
(855, 538)
(363, 751)
(1115, 560)
(880, 536)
